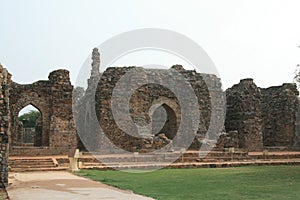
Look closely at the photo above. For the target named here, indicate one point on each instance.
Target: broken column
(244, 114)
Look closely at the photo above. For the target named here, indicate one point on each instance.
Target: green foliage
(255, 182)
(29, 118)
(297, 76)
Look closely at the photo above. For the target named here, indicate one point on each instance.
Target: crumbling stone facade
(251, 120)
(280, 105)
(255, 118)
(263, 117)
(62, 125)
(55, 129)
(244, 114)
(144, 103)
(4, 125)
(146, 100)
(228, 140)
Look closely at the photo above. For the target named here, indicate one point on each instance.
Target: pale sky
(256, 39)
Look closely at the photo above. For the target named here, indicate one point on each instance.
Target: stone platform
(189, 159)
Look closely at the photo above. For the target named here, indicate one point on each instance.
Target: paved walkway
(63, 186)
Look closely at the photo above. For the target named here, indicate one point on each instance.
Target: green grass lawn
(260, 182)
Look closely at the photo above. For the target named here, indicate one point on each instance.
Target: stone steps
(167, 157)
(142, 161)
(33, 164)
(39, 169)
(35, 151)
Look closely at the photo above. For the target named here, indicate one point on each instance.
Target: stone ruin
(56, 133)
(53, 98)
(145, 103)
(263, 117)
(4, 125)
(95, 108)
(256, 118)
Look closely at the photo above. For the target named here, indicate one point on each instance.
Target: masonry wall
(263, 117)
(279, 108)
(256, 117)
(141, 104)
(56, 130)
(62, 125)
(244, 114)
(38, 95)
(4, 125)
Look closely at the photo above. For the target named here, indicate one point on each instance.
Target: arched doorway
(165, 115)
(165, 119)
(30, 127)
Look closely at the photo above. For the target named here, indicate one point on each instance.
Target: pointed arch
(173, 116)
(30, 126)
(42, 133)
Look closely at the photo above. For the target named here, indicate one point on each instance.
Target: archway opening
(164, 120)
(30, 126)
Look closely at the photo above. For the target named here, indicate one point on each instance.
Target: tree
(29, 118)
(297, 76)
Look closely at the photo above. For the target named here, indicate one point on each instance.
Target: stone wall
(38, 95)
(279, 108)
(62, 125)
(255, 118)
(244, 114)
(4, 125)
(296, 145)
(146, 99)
(53, 98)
(263, 117)
(38, 132)
(258, 117)
(95, 108)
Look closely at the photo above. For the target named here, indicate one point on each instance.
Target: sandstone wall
(279, 108)
(62, 125)
(4, 125)
(263, 117)
(244, 114)
(38, 95)
(143, 103)
(94, 113)
(53, 98)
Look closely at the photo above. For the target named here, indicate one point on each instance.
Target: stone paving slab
(63, 186)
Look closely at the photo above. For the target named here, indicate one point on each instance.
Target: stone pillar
(4, 126)
(244, 114)
(297, 130)
(95, 64)
(38, 132)
(279, 109)
(86, 120)
(62, 126)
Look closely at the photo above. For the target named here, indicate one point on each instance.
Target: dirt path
(63, 186)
